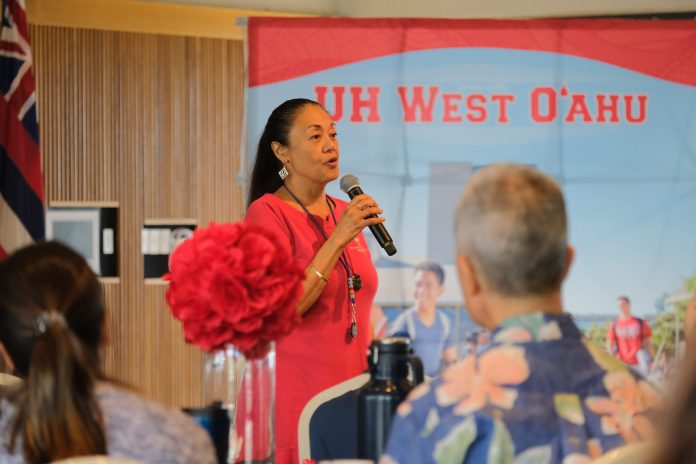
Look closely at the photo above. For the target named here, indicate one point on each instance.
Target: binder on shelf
(158, 239)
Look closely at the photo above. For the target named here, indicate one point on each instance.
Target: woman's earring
(283, 173)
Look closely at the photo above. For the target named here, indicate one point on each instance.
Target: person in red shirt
(297, 156)
(628, 336)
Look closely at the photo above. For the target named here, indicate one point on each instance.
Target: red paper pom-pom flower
(234, 284)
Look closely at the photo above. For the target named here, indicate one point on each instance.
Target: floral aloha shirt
(540, 393)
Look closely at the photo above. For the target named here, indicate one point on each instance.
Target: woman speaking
(297, 156)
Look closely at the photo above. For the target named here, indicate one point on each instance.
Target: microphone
(351, 185)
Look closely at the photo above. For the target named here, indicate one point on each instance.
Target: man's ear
(570, 257)
(473, 290)
(468, 279)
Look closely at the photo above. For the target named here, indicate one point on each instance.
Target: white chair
(634, 453)
(96, 460)
(303, 443)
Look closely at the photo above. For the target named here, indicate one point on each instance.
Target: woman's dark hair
(264, 175)
(51, 317)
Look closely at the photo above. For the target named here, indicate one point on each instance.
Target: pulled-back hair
(51, 316)
(511, 222)
(264, 174)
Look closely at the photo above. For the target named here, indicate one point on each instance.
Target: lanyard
(354, 282)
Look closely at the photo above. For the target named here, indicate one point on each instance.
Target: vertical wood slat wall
(152, 122)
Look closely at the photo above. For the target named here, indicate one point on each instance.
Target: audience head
(264, 175)
(429, 282)
(511, 234)
(51, 319)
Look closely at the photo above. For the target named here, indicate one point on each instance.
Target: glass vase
(245, 387)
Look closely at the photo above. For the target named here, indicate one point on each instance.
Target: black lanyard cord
(347, 265)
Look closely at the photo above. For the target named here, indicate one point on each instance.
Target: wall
(458, 8)
(152, 122)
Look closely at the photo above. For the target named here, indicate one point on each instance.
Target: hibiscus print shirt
(540, 393)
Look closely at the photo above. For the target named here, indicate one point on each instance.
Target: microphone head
(349, 182)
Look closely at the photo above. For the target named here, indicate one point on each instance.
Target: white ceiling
(456, 8)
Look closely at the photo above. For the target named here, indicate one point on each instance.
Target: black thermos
(390, 360)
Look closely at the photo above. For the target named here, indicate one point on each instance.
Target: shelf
(171, 222)
(83, 204)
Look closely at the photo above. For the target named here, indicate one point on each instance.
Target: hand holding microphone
(351, 185)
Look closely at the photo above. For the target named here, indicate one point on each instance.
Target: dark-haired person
(429, 329)
(540, 391)
(298, 155)
(51, 325)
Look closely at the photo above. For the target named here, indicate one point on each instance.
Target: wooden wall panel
(152, 122)
(112, 299)
(150, 17)
(219, 157)
(71, 118)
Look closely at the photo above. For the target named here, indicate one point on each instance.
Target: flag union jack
(21, 184)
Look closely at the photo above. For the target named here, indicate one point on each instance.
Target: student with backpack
(429, 329)
(628, 338)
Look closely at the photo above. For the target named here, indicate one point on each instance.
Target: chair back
(303, 435)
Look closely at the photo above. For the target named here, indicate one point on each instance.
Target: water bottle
(394, 372)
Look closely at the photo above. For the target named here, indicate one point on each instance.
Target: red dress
(319, 352)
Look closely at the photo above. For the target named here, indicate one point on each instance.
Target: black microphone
(351, 185)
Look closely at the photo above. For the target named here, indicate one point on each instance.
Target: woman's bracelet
(319, 274)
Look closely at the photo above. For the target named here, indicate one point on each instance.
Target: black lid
(393, 344)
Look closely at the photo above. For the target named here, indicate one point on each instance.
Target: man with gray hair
(540, 392)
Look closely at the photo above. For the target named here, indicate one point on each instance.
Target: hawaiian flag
(21, 183)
